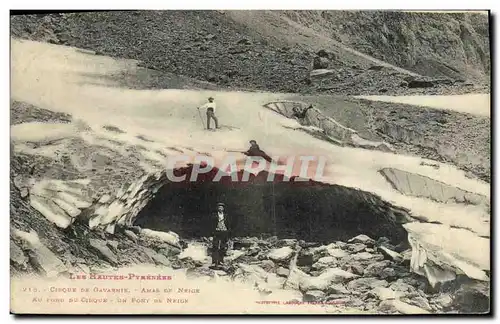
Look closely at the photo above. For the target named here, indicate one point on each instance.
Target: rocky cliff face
(452, 45)
(366, 52)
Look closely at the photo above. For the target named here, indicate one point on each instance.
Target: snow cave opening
(311, 211)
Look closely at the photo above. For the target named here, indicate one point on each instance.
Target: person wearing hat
(301, 114)
(255, 150)
(210, 107)
(221, 227)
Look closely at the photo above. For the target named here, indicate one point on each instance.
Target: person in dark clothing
(221, 223)
(301, 114)
(255, 150)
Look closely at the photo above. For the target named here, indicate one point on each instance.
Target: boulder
(253, 250)
(326, 279)
(401, 286)
(472, 298)
(365, 256)
(41, 257)
(356, 247)
(320, 63)
(324, 262)
(366, 284)
(384, 241)
(337, 253)
(287, 242)
(167, 237)
(314, 296)
(102, 250)
(353, 302)
(104, 199)
(323, 53)
(158, 258)
(281, 255)
(250, 273)
(234, 255)
(384, 293)
(393, 305)
(168, 250)
(374, 269)
(137, 256)
(199, 272)
(337, 289)
(307, 258)
(364, 239)
(131, 235)
(327, 260)
(415, 281)
(391, 255)
(418, 301)
(306, 245)
(113, 244)
(443, 301)
(17, 256)
(267, 265)
(282, 272)
(354, 267)
(340, 244)
(388, 273)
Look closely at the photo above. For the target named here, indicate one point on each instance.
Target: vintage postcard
(250, 162)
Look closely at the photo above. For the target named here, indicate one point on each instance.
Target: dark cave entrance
(311, 211)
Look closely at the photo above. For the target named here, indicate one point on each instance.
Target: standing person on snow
(210, 107)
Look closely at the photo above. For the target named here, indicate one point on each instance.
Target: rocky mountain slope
(274, 51)
(452, 45)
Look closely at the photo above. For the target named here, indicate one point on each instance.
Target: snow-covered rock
(167, 237)
(282, 254)
(325, 279)
(384, 293)
(440, 252)
(43, 259)
(362, 238)
(391, 255)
